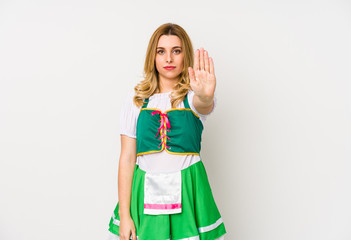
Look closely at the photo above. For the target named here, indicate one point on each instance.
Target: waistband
(194, 165)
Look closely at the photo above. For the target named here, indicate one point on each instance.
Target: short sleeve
(129, 116)
(203, 117)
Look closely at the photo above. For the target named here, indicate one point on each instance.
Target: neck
(166, 85)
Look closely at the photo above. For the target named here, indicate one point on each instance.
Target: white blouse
(160, 161)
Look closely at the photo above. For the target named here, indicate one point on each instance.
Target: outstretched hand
(202, 77)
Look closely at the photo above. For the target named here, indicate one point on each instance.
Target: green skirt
(199, 219)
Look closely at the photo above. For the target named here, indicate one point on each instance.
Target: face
(169, 53)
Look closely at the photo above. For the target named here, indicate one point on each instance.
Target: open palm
(202, 77)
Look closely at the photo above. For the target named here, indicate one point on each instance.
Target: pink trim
(162, 206)
(164, 125)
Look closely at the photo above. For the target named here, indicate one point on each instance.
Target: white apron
(163, 193)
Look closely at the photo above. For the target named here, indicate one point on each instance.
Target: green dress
(176, 205)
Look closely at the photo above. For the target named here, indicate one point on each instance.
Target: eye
(177, 51)
(160, 51)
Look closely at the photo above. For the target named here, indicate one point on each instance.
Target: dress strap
(186, 103)
(146, 102)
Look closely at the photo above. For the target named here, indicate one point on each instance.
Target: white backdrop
(276, 149)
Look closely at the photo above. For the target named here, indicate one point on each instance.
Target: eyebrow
(172, 47)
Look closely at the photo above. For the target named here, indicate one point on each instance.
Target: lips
(169, 67)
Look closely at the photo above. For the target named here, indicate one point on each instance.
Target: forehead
(169, 41)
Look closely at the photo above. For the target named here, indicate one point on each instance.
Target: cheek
(181, 59)
(181, 63)
(157, 61)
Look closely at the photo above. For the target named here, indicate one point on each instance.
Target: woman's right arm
(126, 167)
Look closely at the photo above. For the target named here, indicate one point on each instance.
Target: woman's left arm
(203, 82)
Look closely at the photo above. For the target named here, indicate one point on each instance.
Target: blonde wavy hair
(149, 85)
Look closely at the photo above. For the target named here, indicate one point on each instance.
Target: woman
(163, 187)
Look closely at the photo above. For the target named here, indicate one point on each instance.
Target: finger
(202, 67)
(207, 64)
(211, 66)
(196, 61)
(191, 74)
(134, 235)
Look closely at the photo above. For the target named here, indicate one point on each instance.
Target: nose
(169, 58)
